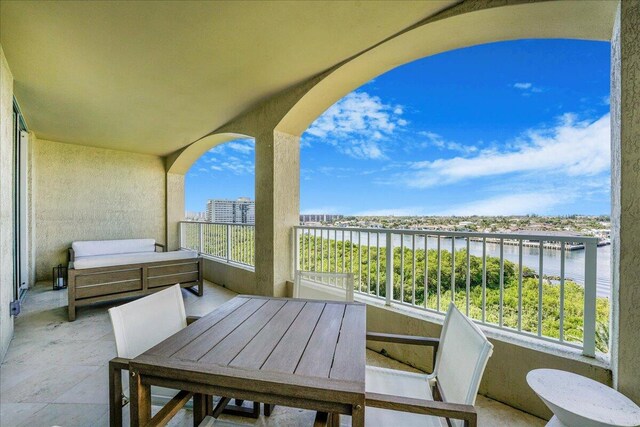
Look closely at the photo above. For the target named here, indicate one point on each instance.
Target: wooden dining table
(299, 353)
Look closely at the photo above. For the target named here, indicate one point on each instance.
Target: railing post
(200, 238)
(590, 294)
(389, 279)
(181, 232)
(296, 250)
(229, 245)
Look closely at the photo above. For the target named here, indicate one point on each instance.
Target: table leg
(199, 408)
(140, 400)
(357, 415)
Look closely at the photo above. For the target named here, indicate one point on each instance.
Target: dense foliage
(368, 263)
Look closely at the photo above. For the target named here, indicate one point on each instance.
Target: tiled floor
(55, 372)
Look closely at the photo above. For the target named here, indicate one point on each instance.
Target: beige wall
(237, 279)
(6, 203)
(277, 210)
(175, 209)
(85, 193)
(625, 191)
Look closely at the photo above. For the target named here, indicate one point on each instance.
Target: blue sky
(499, 129)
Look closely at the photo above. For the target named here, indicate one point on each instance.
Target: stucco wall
(625, 193)
(277, 209)
(86, 193)
(6, 203)
(175, 209)
(505, 376)
(237, 279)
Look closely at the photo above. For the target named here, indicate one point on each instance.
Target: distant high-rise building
(195, 216)
(319, 218)
(240, 211)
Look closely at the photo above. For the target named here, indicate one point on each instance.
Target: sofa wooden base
(101, 284)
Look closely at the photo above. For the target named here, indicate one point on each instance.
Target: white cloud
(571, 148)
(406, 211)
(240, 146)
(435, 140)
(512, 204)
(527, 88)
(234, 156)
(358, 125)
(238, 167)
(327, 210)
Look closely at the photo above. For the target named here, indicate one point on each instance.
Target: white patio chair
(323, 286)
(410, 399)
(138, 326)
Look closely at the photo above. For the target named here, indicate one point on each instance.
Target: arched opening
(219, 192)
(498, 153)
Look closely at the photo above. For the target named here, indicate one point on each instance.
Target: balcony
(106, 105)
(480, 293)
(55, 371)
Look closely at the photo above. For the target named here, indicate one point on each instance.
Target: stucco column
(625, 192)
(175, 209)
(277, 209)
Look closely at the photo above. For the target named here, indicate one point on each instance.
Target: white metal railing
(499, 280)
(231, 243)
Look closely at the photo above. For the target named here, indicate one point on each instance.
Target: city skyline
(500, 129)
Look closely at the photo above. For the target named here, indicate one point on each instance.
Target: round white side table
(577, 401)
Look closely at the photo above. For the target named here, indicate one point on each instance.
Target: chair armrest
(467, 413)
(161, 246)
(403, 339)
(191, 319)
(119, 363)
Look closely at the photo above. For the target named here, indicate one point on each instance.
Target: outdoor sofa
(106, 270)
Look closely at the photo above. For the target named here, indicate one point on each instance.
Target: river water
(574, 260)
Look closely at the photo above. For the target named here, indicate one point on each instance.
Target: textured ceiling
(152, 77)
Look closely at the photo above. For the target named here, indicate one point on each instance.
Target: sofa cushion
(112, 247)
(131, 258)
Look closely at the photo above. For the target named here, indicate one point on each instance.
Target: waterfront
(574, 260)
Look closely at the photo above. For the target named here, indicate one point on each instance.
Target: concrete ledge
(231, 276)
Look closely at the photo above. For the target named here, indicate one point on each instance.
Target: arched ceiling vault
(153, 77)
(467, 24)
(176, 79)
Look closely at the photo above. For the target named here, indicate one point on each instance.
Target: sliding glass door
(20, 224)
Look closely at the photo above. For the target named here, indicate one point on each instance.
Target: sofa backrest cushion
(112, 247)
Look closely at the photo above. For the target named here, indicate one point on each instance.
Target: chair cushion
(398, 383)
(112, 247)
(131, 258)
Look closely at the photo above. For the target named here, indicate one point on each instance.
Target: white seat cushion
(132, 258)
(398, 383)
(112, 247)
